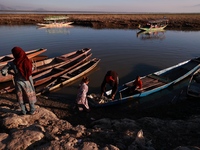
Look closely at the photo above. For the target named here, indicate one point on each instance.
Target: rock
(23, 138)
(89, 146)
(3, 140)
(14, 121)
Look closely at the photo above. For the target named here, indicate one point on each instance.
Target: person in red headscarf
(111, 78)
(137, 85)
(24, 87)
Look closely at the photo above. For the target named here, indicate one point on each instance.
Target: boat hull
(54, 24)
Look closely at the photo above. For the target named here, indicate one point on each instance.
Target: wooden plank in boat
(159, 78)
(65, 77)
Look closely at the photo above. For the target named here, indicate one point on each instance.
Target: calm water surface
(122, 50)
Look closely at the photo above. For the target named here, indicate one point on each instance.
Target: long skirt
(25, 91)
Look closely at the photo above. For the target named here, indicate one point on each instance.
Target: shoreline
(115, 21)
(57, 123)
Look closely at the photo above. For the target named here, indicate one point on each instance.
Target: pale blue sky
(108, 5)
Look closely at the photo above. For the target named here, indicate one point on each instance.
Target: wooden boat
(50, 63)
(60, 60)
(50, 74)
(55, 21)
(151, 83)
(42, 77)
(193, 89)
(30, 54)
(71, 75)
(154, 25)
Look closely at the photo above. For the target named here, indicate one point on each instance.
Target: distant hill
(39, 9)
(2, 7)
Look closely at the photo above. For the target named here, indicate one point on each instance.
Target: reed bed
(191, 21)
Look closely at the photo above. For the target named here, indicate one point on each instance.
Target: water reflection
(151, 35)
(56, 30)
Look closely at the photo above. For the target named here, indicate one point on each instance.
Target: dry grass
(191, 21)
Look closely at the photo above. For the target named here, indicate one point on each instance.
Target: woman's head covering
(110, 80)
(22, 62)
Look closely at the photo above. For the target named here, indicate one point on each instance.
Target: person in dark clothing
(112, 79)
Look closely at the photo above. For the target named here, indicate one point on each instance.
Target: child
(137, 85)
(81, 99)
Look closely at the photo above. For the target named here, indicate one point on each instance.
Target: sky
(170, 6)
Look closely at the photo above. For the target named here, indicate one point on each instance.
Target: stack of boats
(52, 73)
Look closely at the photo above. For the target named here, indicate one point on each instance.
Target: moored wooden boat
(30, 54)
(193, 89)
(48, 75)
(57, 61)
(151, 83)
(71, 75)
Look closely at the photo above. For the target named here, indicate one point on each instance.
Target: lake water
(122, 50)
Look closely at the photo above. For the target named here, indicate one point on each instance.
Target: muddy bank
(120, 21)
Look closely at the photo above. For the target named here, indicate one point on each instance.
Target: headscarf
(22, 62)
(109, 78)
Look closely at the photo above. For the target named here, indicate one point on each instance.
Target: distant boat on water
(154, 25)
(55, 21)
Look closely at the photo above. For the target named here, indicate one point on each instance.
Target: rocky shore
(56, 125)
(125, 21)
